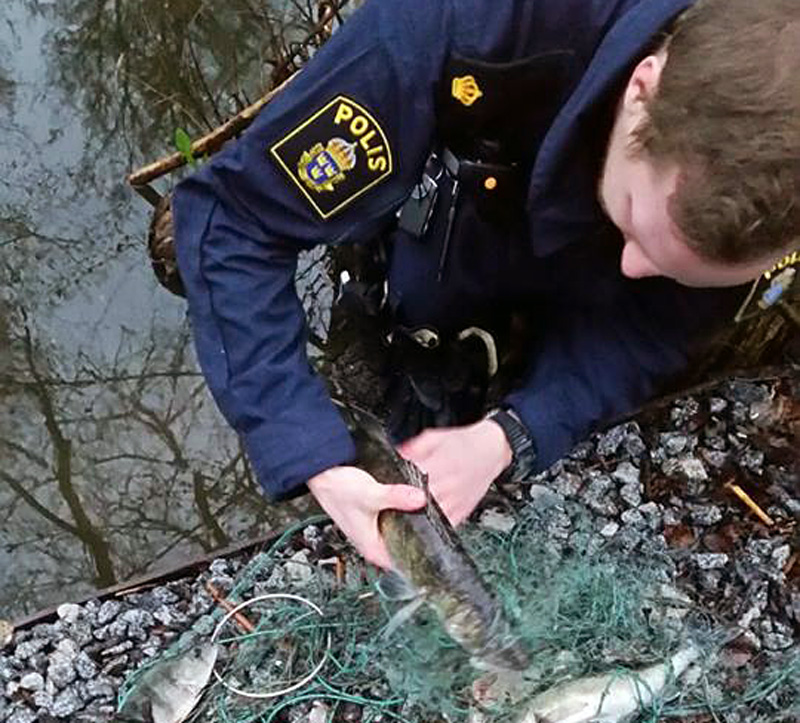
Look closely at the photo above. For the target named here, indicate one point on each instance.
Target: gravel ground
(667, 479)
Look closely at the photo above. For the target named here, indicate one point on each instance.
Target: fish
(610, 698)
(431, 565)
(168, 691)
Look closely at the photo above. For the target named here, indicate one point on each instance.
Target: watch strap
(523, 450)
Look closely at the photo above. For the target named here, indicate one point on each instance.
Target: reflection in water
(114, 457)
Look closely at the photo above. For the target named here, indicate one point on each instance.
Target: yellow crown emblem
(466, 90)
(343, 153)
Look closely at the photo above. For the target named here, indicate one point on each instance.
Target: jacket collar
(562, 197)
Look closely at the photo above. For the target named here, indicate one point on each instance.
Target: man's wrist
(500, 442)
(518, 440)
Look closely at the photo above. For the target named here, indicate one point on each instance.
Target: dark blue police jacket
(335, 155)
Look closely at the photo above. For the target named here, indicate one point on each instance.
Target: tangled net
(582, 608)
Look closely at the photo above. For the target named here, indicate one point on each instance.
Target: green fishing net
(583, 606)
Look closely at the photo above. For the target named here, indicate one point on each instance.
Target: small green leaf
(184, 145)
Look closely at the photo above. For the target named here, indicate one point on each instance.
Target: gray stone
(21, 715)
(631, 494)
(609, 442)
(219, 567)
(566, 484)
(558, 524)
(651, 511)
(711, 560)
(81, 633)
(684, 410)
(674, 443)
(43, 699)
(61, 670)
(299, 569)
(118, 649)
(493, 519)
(29, 648)
(32, 681)
(163, 615)
(85, 666)
(544, 497)
(693, 468)
(705, 515)
(633, 517)
(710, 580)
(752, 459)
(597, 496)
(780, 556)
(66, 703)
(634, 444)
(312, 536)
(164, 596)
(582, 451)
(69, 612)
(100, 688)
(757, 604)
(717, 405)
(610, 530)
(108, 611)
(627, 474)
(715, 458)
(277, 578)
(138, 622)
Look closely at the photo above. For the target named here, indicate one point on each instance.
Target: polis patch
(335, 156)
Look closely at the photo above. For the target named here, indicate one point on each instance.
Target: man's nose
(634, 264)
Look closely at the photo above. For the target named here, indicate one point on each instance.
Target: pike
(430, 563)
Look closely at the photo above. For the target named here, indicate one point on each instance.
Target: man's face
(635, 192)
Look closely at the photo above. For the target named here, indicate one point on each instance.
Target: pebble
(67, 703)
(544, 497)
(674, 443)
(597, 496)
(705, 515)
(566, 484)
(627, 473)
(69, 613)
(717, 405)
(710, 560)
(299, 569)
(693, 468)
(609, 442)
(492, 519)
(108, 611)
(32, 682)
(22, 715)
(610, 530)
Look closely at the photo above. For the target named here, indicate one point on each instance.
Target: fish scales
(433, 562)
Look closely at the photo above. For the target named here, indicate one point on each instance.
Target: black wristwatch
(523, 451)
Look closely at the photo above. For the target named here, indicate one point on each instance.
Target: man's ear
(643, 84)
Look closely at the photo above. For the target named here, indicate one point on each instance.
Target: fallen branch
(206, 145)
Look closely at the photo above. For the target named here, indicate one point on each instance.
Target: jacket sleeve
(241, 220)
(600, 363)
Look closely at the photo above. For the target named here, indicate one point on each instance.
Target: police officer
(614, 170)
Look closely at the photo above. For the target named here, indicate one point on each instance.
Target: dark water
(115, 460)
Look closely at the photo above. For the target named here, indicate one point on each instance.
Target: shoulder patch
(335, 156)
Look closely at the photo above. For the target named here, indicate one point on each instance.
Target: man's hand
(353, 499)
(461, 463)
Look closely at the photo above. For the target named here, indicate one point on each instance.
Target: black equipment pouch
(490, 119)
